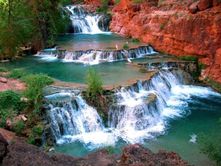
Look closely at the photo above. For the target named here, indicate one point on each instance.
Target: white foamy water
(94, 57)
(141, 112)
(84, 22)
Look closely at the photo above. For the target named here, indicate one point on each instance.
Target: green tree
(15, 27)
(25, 22)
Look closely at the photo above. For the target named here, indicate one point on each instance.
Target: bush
(19, 126)
(36, 134)
(2, 69)
(94, 84)
(17, 73)
(135, 40)
(188, 58)
(5, 114)
(125, 46)
(10, 99)
(35, 84)
(104, 7)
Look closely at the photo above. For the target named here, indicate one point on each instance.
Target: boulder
(3, 80)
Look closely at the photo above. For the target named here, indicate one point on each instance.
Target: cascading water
(70, 115)
(139, 112)
(93, 57)
(84, 22)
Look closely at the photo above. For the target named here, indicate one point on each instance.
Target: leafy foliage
(15, 26)
(10, 105)
(17, 73)
(188, 58)
(10, 99)
(36, 134)
(2, 69)
(33, 22)
(94, 84)
(126, 46)
(104, 7)
(19, 126)
(4, 114)
(35, 84)
(135, 40)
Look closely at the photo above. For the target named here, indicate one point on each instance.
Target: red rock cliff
(175, 27)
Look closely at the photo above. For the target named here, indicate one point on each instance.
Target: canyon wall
(175, 27)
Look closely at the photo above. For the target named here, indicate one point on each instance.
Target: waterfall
(84, 22)
(93, 57)
(70, 115)
(138, 112)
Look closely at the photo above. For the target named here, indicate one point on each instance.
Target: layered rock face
(175, 27)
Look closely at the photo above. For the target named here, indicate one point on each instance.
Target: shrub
(19, 126)
(116, 2)
(10, 99)
(35, 84)
(17, 73)
(4, 115)
(36, 134)
(2, 69)
(213, 84)
(94, 84)
(126, 46)
(135, 40)
(188, 58)
(104, 7)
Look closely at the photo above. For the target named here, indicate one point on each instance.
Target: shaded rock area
(21, 153)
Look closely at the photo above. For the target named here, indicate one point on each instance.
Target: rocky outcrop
(170, 27)
(20, 153)
(138, 155)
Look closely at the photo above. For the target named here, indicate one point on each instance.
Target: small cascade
(84, 22)
(138, 112)
(93, 57)
(70, 115)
